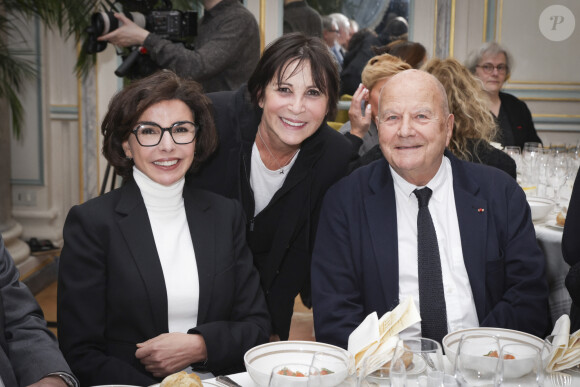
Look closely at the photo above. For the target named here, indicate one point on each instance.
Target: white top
(175, 249)
(265, 182)
(461, 312)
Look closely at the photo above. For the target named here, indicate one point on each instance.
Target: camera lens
(104, 22)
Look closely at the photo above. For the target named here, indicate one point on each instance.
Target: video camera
(174, 25)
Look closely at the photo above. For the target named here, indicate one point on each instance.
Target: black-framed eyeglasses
(150, 133)
(488, 68)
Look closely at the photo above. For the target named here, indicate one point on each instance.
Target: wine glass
(476, 359)
(336, 367)
(420, 360)
(558, 176)
(515, 153)
(529, 160)
(294, 374)
(519, 365)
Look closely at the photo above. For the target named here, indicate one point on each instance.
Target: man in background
(29, 353)
(300, 17)
(227, 47)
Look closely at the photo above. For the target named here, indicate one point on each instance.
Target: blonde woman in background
(361, 129)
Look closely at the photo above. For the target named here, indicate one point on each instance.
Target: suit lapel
(472, 213)
(381, 213)
(203, 231)
(136, 229)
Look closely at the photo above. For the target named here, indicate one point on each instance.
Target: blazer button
(277, 272)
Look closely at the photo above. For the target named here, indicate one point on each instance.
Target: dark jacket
(112, 293)
(356, 58)
(571, 253)
(227, 48)
(355, 262)
(520, 121)
(281, 236)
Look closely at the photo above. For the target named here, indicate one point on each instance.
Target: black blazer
(281, 236)
(112, 294)
(520, 118)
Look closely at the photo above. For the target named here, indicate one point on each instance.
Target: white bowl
(262, 359)
(521, 366)
(540, 207)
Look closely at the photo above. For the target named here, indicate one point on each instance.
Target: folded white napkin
(565, 350)
(375, 340)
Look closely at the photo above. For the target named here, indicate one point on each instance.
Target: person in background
(29, 354)
(156, 277)
(473, 127)
(361, 129)
(493, 64)
(571, 253)
(414, 53)
(354, 27)
(227, 46)
(343, 38)
(330, 36)
(366, 44)
(468, 257)
(300, 17)
(278, 156)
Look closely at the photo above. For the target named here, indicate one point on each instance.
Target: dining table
(549, 238)
(244, 380)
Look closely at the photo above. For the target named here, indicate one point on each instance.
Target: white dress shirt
(461, 312)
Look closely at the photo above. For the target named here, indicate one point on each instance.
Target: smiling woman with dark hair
(278, 157)
(156, 277)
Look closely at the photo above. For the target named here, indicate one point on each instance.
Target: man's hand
(50, 381)
(359, 122)
(128, 33)
(171, 352)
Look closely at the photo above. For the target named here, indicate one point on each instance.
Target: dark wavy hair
(292, 48)
(127, 106)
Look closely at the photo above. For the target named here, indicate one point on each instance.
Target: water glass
(420, 360)
(336, 368)
(294, 374)
(476, 360)
(519, 365)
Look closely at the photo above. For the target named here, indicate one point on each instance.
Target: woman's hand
(171, 352)
(360, 121)
(128, 34)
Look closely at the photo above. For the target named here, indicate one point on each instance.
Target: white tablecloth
(244, 380)
(549, 239)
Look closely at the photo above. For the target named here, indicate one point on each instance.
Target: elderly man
(468, 256)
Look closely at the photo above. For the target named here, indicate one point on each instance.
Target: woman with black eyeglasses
(492, 64)
(156, 277)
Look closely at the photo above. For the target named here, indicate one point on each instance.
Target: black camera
(174, 25)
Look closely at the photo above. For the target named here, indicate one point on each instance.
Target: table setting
(547, 174)
(479, 356)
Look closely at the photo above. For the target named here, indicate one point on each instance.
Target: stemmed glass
(294, 374)
(476, 360)
(529, 161)
(420, 361)
(559, 175)
(515, 153)
(336, 367)
(519, 365)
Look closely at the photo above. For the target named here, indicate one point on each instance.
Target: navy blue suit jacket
(355, 260)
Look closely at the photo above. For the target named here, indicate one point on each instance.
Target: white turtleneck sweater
(175, 249)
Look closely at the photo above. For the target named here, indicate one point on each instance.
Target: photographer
(227, 47)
